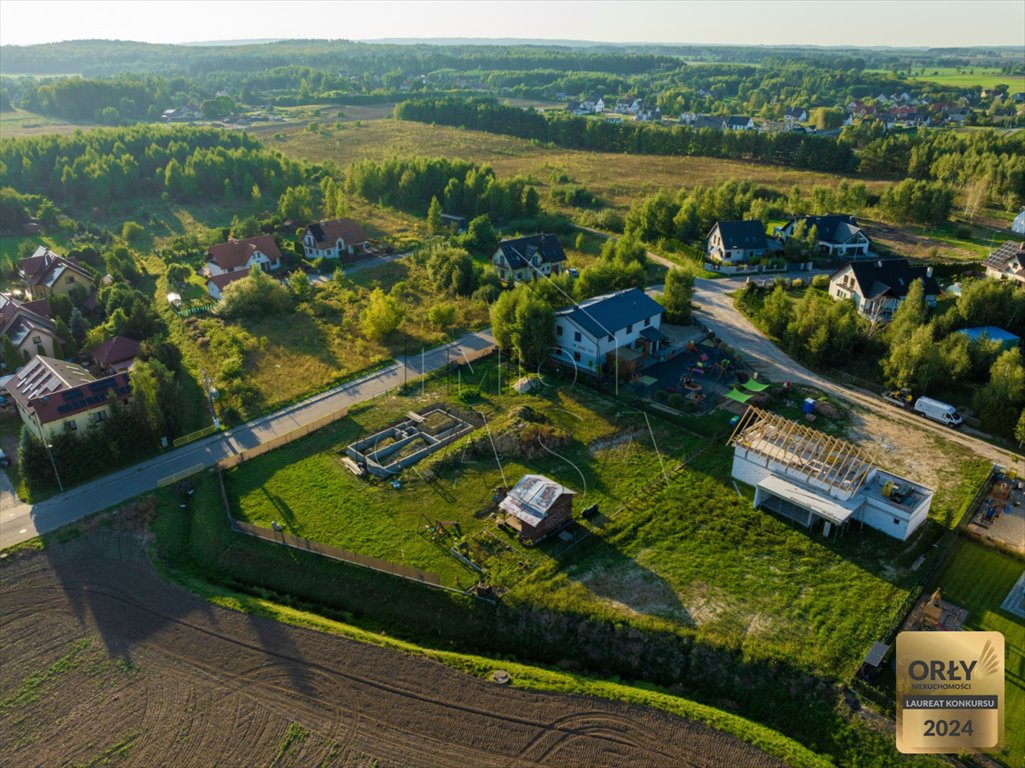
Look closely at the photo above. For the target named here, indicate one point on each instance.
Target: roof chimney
(879, 264)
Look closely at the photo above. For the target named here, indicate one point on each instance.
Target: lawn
(950, 241)
(978, 578)
(306, 488)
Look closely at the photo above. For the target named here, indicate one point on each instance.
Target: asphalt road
(20, 522)
(716, 311)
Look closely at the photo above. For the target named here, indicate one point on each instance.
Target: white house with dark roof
(618, 331)
(1018, 225)
(215, 284)
(878, 287)
(525, 259)
(736, 242)
(333, 239)
(739, 123)
(1007, 262)
(837, 234)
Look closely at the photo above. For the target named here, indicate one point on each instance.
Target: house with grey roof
(739, 123)
(614, 333)
(736, 242)
(537, 506)
(877, 288)
(1007, 262)
(837, 234)
(525, 259)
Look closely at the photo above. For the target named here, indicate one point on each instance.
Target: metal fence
(178, 476)
(280, 440)
(180, 441)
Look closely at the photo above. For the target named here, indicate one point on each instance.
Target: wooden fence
(172, 479)
(280, 440)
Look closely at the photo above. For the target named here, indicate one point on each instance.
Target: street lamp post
(54, 465)
(46, 444)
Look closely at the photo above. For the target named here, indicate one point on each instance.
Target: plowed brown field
(105, 663)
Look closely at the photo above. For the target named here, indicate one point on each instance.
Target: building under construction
(822, 481)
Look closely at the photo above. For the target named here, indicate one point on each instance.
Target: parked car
(938, 411)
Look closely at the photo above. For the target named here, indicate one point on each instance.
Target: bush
(797, 282)
(131, 231)
(255, 295)
(661, 395)
(963, 233)
(820, 282)
(676, 400)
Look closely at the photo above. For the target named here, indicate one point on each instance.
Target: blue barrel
(808, 406)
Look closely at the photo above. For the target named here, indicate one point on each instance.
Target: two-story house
(736, 242)
(53, 396)
(617, 333)
(837, 234)
(237, 255)
(334, 239)
(738, 123)
(525, 259)
(28, 327)
(878, 287)
(45, 273)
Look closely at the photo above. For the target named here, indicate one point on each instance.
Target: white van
(937, 411)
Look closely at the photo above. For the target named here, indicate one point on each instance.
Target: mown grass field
(617, 180)
(978, 578)
(971, 77)
(306, 488)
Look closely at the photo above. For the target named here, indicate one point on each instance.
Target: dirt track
(103, 659)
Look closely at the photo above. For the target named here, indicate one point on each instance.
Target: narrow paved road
(716, 311)
(20, 522)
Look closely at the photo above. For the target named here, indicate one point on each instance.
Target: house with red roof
(115, 354)
(53, 396)
(237, 255)
(215, 284)
(46, 273)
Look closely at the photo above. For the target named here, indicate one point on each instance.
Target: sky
(942, 23)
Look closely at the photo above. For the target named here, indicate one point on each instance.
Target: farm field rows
(148, 674)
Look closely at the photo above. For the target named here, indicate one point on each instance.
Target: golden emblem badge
(950, 691)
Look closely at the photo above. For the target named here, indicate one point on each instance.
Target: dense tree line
(993, 164)
(143, 161)
(462, 188)
(563, 130)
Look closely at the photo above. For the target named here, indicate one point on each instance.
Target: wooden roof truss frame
(843, 466)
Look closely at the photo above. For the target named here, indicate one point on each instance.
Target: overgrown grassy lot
(979, 578)
(590, 443)
(616, 180)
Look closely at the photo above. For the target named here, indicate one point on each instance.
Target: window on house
(647, 322)
(71, 278)
(576, 356)
(37, 340)
(611, 337)
(70, 425)
(630, 328)
(558, 330)
(97, 416)
(577, 336)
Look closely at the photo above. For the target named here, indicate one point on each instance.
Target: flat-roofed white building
(820, 481)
